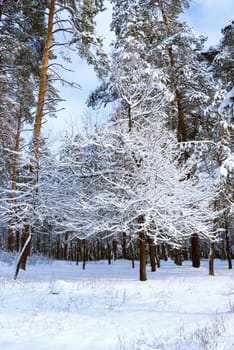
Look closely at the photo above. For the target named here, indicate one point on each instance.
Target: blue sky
(207, 17)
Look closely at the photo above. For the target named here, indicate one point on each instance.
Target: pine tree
(152, 33)
(82, 34)
(220, 115)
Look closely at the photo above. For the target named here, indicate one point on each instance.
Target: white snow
(57, 305)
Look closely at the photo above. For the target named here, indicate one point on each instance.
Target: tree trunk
(65, 248)
(25, 251)
(181, 126)
(11, 236)
(43, 82)
(211, 259)
(109, 253)
(143, 276)
(84, 254)
(124, 248)
(152, 254)
(164, 252)
(38, 124)
(114, 247)
(132, 255)
(178, 257)
(228, 248)
(195, 250)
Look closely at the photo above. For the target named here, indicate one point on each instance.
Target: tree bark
(152, 254)
(143, 276)
(124, 246)
(228, 248)
(37, 125)
(211, 259)
(43, 82)
(109, 255)
(181, 126)
(195, 250)
(85, 248)
(25, 251)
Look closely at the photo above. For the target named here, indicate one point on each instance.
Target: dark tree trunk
(10, 240)
(211, 259)
(65, 249)
(164, 253)
(143, 276)
(109, 253)
(152, 254)
(114, 247)
(195, 250)
(25, 251)
(58, 247)
(17, 241)
(124, 249)
(132, 255)
(158, 257)
(142, 246)
(178, 257)
(181, 125)
(84, 254)
(228, 248)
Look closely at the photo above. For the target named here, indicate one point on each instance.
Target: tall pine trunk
(37, 132)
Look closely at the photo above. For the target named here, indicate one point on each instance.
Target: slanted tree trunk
(37, 127)
(195, 250)
(211, 259)
(25, 251)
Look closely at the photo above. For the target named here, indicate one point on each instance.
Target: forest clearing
(56, 304)
(120, 235)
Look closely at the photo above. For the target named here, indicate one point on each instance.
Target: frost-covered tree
(140, 189)
(22, 38)
(35, 28)
(152, 33)
(220, 116)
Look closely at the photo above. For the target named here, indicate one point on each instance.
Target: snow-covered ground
(57, 305)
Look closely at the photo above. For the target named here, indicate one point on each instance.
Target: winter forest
(153, 183)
